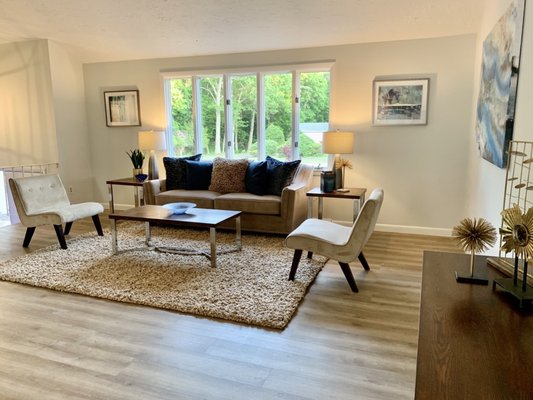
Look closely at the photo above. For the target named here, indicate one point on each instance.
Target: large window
(249, 114)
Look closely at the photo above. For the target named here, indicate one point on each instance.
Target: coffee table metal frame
(195, 217)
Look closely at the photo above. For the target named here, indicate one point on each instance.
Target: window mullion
(295, 137)
(228, 118)
(261, 116)
(197, 115)
(168, 112)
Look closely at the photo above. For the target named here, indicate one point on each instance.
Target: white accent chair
(341, 243)
(42, 200)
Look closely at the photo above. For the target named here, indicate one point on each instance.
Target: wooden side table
(356, 194)
(137, 192)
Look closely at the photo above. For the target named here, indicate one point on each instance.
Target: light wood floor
(339, 345)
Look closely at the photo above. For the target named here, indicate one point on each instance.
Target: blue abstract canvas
(499, 78)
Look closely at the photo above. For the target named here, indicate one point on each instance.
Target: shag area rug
(250, 286)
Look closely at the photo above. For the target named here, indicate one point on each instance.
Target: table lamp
(152, 141)
(337, 142)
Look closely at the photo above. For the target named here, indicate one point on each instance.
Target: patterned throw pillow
(256, 177)
(175, 169)
(280, 174)
(228, 175)
(197, 174)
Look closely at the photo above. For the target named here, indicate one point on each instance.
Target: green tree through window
(241, 93)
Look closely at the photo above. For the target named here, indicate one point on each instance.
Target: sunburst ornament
(517, 232)
(474, 235)
(517, 237)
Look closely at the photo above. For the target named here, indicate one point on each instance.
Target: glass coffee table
(195, 217)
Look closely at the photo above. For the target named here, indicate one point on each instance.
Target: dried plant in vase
(517, 237)
(342, 164)
(474, 235)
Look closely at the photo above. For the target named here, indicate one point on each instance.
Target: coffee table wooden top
(200, 217)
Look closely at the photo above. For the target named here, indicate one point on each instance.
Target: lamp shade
(152, 140)
(336, 142)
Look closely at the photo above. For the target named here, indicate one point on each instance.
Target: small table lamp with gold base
(337, 142)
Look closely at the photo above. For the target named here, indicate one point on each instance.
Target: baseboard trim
(118, 206)
(414, 230)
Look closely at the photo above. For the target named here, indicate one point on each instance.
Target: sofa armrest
(294, 197)
(294, 203)
(152, 188)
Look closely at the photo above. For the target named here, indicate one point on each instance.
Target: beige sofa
(268, 213)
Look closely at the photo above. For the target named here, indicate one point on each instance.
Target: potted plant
(137, 159)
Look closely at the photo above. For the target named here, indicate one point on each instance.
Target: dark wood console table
(474, 343)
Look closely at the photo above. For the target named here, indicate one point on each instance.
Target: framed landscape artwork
(499, 80)
(400, 102)
(122, 108)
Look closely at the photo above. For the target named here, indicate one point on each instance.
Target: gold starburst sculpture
(474, 235)
(517, 232)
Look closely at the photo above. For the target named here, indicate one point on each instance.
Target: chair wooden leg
(97, 225)
(363, 261)
(60, 236)
(309, 254)
(349, 276)
(68, 225)
(28, 236)
(295, 262)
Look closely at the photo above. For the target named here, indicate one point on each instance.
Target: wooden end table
(356, 194)
(195, 217)
(133, 182)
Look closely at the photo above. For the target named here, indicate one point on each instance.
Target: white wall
(421, 168)
(27, 126)
(71, 124)
(487, 181)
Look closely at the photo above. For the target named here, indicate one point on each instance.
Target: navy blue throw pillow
(175, 169)
(280, 174)
(198, 174)
(256, 177)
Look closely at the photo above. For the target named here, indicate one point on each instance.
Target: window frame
(226, 73)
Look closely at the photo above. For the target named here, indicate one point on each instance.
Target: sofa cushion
(249, 203)
(256, 177)
(202, 198)
(280, 174)
(175, 170)
(197, 175)
(228, 175)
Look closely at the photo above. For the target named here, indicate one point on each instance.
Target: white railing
(8, 214)
(29, 170)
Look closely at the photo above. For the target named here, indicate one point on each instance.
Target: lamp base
(153, 171)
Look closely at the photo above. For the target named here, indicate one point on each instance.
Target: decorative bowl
(141, 177)
(179, 208)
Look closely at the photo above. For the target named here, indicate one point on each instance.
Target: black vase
(327, 181)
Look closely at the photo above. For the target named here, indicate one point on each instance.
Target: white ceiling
(110, 30)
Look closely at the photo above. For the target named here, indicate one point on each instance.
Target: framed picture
(122, 108)
(400, 102)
